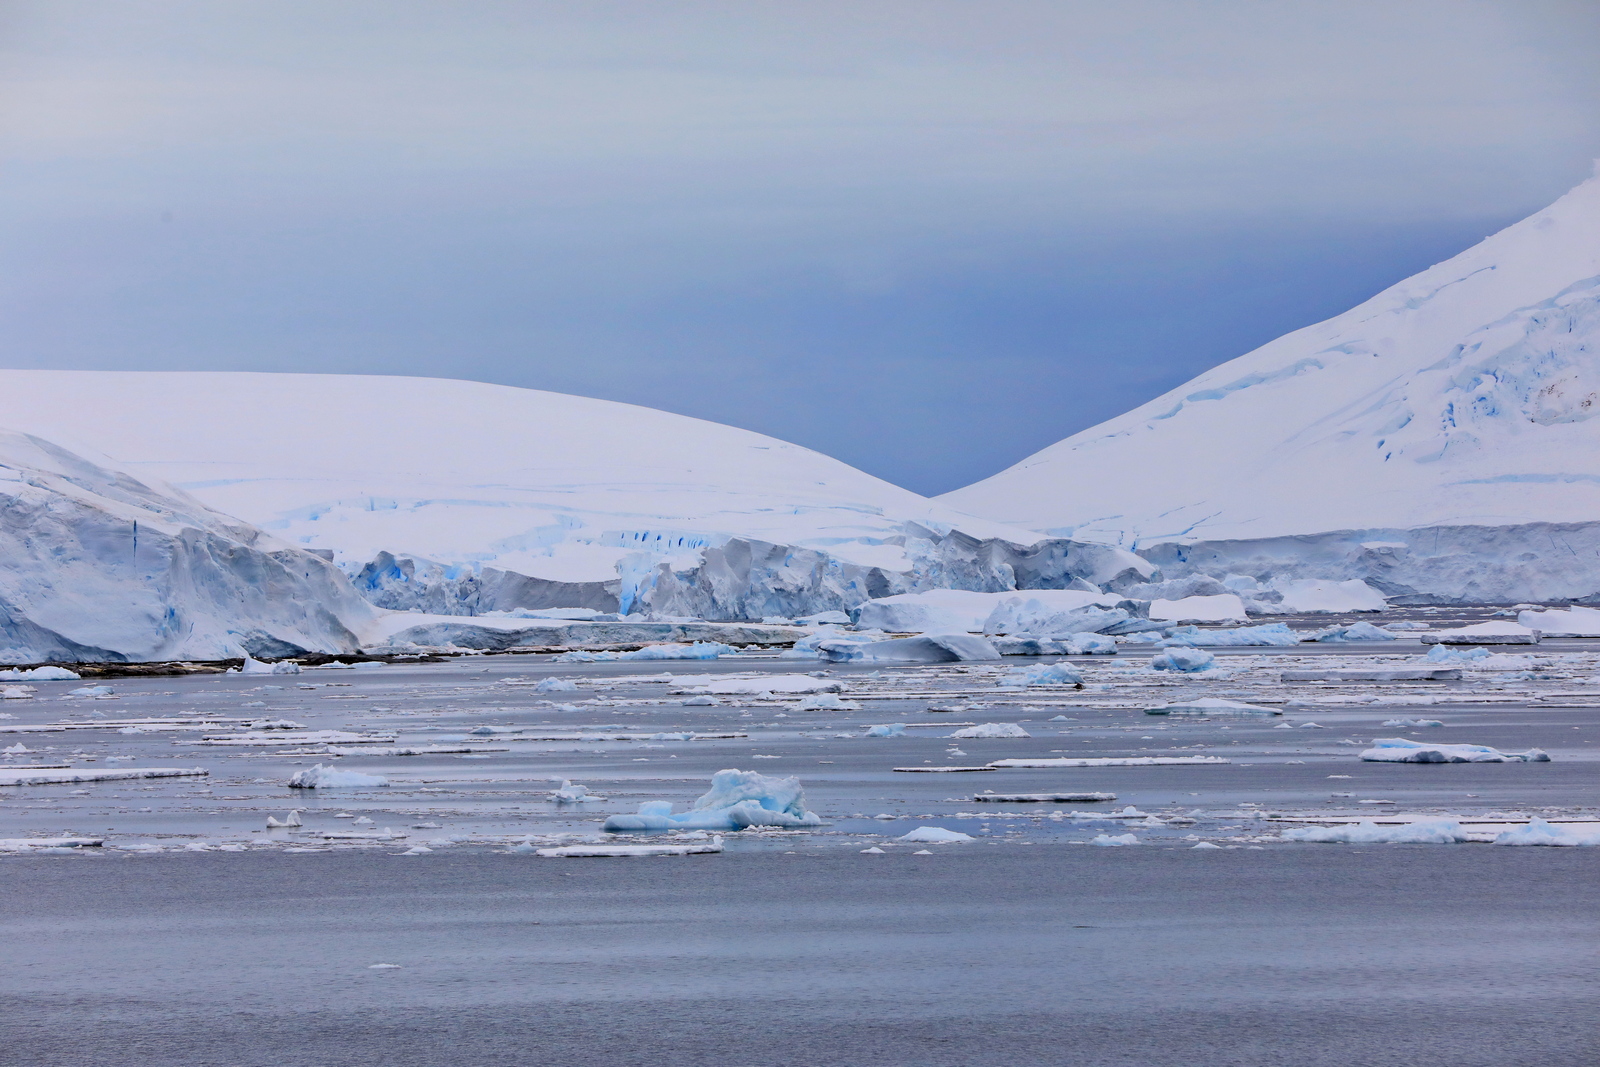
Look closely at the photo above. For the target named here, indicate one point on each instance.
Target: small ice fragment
(873, 851)
(934, 835)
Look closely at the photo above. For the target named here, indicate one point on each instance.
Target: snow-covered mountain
(96, 565)
(1440, 438)
(457, 496)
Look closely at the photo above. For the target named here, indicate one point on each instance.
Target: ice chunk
(1485, 633)
(1045, 674)
(1404, 750)
(890, 729)
(43, 674)
(1224, 607)
(770, 683)
(290, 820)
(16, 692)
(90, 691)
(1367, 832)
(736, 800)
(556, 685)
(1540, 832)
(1575, 621)
(1359, 631)
(934, 835)
(1114, 840)
(571, 794)
(825, 618)
(1272, 635)
(926, 648)
(1412, 722)
(571, 852)
(826, 702)
(1186, 660)
(992, 729)
(1087, 644)
(320, 777)
(1212, 706)
(255, 666)
(1031, 615)
(1446, 654)
(1308, 595)
(697, 650)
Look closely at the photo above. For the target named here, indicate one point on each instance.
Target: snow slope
(458, 496)
(1460, 399)
(95, 565)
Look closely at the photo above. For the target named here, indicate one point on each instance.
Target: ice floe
(1404, 750)
(321, 777)
(736, 800)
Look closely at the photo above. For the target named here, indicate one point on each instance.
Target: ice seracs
(1439, 441)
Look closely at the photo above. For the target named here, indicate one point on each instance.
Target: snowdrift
(96, 566)
(1438, 442)
(455, 497)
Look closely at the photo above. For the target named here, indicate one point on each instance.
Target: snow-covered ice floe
(696, 650)
(736, 800)
(1368, 832)
(1404, 750)
(936, 835)
(1485, 633)
(69, 776)
(321, 777)
(1274, 634)
(1576, 621)
(34, 844)
(1540, 832)
(924, 648)
(1107, 761)
(991, 729)
(1212, 706)
(581, 852)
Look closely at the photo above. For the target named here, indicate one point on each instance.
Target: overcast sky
(927, 237)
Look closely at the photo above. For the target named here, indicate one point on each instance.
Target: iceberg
(1052, 674)
(888, 729)
(1367, 832)
(960, 610)
(1086, 644)
(1458, 656)
(1359, 631)
(1404, 750)
(697, 650)
(936, 835)
(1224, 607)
(736, 800)
(992, 729)
(1185, 660)
(925, 648)
(1275, 634)
(1057, 616)
(1484, 633)
(1306, 596)
(321, 777)
(1575, 621)
(255, 666)
(1540, 832)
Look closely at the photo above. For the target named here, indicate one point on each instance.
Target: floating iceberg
(1575, 621)
(44, 674)
(1186, 660)
(736, 800)
(697, 650)
(1359, 631)
(320, 777)
(1446, 654)
(925, 648)
(992, 729)
(1304, 596)
(255, 666)
(1367, 832)
(1412, 722)
(1087, 644)
(1224, 607)
(1045, 674)
(572, 794)
(934, 835)
(1540, 832)
(1212, 706)
(888, 729)
(1035, 615)
(556, 685)
(826, 702)
(1275, 634)
(1114, 839)
(1485, 633)
(1404, 750)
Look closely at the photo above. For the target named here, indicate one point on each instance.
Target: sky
(926, 237)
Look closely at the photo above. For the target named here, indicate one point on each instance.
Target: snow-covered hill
(458, 496)
(1443, 434)
(95, 565)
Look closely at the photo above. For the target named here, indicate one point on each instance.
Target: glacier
(451, 497)
(97, 566)
(1438, 442)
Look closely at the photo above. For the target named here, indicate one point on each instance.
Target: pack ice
(1438, 442)
(457, 497)
(96, 565)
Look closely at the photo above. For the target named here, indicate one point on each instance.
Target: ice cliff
(1439, 441)
(98, 566)
(455, 497)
